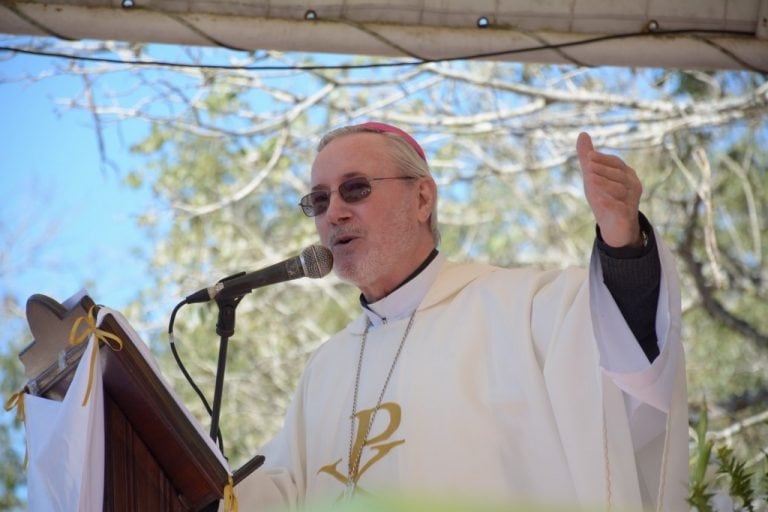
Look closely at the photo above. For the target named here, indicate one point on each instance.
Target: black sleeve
(633, 276)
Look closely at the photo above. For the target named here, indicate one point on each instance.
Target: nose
(338, 210)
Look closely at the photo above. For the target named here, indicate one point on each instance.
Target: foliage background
(226, 154)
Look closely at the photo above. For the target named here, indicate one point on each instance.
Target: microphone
(314, 261)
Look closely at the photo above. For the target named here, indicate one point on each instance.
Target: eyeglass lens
(352, 190)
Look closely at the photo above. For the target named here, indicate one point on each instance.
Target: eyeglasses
(351, 191)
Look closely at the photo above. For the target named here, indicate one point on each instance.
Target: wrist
(646, 244)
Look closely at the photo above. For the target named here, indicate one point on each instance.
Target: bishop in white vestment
(471, 381)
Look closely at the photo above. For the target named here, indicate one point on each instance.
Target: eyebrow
(344, 177)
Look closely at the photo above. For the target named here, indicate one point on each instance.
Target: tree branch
(711, 304)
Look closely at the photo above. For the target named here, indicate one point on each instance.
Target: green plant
(739, 484)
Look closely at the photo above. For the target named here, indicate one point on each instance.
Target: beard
(381, 253)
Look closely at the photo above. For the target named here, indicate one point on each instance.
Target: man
(511, 385)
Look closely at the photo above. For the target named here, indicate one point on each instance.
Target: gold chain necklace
(354, 459)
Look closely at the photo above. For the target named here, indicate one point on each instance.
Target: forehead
(353, 154)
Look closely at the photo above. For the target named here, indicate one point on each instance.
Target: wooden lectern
(156, 459)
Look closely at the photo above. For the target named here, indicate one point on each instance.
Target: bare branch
(246, 189)
(710, 303)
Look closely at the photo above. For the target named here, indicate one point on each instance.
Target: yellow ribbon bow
(230, 500)
(17, 400)
(109, 339)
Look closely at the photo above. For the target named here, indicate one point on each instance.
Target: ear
(427, 198)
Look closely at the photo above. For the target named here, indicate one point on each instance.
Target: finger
(609, 160)
(619, 175)
(583, 149)
(599, 185)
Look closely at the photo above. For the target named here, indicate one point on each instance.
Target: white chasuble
(500, 394)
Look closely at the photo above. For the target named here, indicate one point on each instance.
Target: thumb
(583, 148)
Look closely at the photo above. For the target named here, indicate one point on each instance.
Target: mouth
(342, 240)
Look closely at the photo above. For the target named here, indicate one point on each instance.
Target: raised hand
(613, 192)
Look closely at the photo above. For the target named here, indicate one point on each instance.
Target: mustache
(344, 233)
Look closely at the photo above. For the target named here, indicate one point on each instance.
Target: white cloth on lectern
(65, 442)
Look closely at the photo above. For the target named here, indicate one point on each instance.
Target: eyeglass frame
(305, 207)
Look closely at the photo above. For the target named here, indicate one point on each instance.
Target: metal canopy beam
(428, 29)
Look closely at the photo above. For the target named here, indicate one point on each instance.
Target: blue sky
(52, 179)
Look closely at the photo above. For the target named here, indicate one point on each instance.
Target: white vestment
(506, 389)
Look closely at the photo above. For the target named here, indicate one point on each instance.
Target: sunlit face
(379, 241)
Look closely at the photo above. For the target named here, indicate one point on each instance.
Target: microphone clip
(210, 293)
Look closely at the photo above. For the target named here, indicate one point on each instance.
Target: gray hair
(406, 158)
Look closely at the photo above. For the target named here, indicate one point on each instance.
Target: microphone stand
(225, 328)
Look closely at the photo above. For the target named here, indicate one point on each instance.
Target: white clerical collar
(404, 300)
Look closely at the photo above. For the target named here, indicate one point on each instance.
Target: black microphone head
(316, 261)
